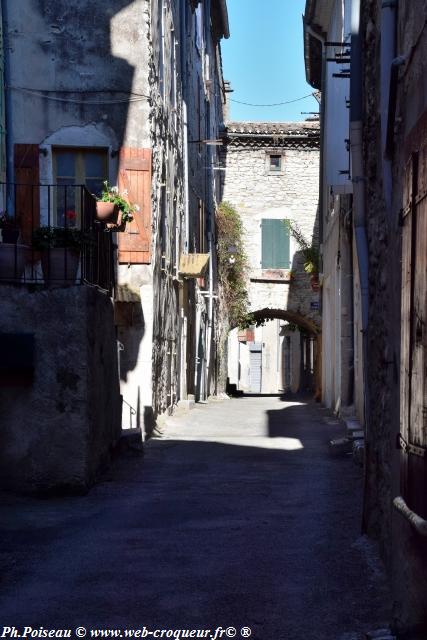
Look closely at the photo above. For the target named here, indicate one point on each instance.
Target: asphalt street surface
(236, 517)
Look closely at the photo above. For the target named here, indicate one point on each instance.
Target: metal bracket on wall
(407, 447)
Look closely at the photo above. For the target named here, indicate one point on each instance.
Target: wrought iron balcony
(51, 237)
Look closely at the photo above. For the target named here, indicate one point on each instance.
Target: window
(275, 165)
(275, 244)
(73, 166)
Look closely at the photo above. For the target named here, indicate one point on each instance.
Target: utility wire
(276, 104)
(132, 97)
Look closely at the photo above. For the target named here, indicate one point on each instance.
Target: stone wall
(167, 198)
(403, 550)
(291, 194)
(57, 433)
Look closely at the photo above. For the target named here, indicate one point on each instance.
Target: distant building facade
(271, 177)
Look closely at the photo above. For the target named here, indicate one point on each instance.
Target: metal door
(255, 362)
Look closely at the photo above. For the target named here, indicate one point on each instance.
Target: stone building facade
(342, 374)
(129, 92)
(382, 54)
(271, 177)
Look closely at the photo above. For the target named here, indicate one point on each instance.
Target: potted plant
(311, 264)
(60, 253)
(13, 256)
(114, 209)
(9, 226)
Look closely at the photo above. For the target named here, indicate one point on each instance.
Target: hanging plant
(232, 265)
(309, 251)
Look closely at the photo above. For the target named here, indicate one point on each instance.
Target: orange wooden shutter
(135, 176)
(27, 197)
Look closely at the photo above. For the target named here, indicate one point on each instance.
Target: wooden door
(413, 437)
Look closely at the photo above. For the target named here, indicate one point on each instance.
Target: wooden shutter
(414, 336)
(135, 176)
(27, 191)
(275, 244)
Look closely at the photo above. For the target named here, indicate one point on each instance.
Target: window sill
(272, 275)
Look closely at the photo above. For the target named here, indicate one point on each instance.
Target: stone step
(340, 446)
(130, 441)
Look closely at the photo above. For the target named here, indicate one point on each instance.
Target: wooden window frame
(80, 174)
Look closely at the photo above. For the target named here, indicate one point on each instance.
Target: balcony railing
(51, 237)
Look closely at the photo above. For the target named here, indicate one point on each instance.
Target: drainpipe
(210, 314)
(359, 213)
(322, 180)
(388, 49)
(183, 50)
(10, 170)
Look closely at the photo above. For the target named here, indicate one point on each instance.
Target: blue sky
(264, 59)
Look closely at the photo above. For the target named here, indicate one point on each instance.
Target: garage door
(255, 362)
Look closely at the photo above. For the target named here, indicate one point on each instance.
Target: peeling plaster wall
(88, 87)
(99, 48)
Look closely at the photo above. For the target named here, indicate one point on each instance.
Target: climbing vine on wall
(232, 265)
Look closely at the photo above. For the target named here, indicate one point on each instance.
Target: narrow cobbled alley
(237, 516)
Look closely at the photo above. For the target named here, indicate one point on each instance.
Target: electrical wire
(132, 97)
(275, 104)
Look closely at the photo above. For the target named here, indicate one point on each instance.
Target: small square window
(275, 163)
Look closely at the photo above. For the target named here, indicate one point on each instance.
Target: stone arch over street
(307, 324)
(279, 353)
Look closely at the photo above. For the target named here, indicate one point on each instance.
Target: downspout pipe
(387, 55)
(321, 40)
(10, 169)
(183, 50)
(359, 209)
(322, 176)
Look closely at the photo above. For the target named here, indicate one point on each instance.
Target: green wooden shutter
(275, 244)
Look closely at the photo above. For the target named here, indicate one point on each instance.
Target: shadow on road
(233, 524)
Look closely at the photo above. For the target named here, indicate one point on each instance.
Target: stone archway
(305, 323)
(303, 341)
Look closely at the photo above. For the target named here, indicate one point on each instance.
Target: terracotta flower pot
(107, 211)
(118, 225)
(60, 266)
(13, 258)
(314, 281)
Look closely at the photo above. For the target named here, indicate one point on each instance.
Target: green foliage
(309, 251)
(112, 194)
(232, 265)
(57, 237)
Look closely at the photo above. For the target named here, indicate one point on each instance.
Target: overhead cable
(275, 104)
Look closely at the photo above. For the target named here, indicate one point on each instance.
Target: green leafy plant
(309, 251)
(232, 265)
(112, 194)
(56, 238)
